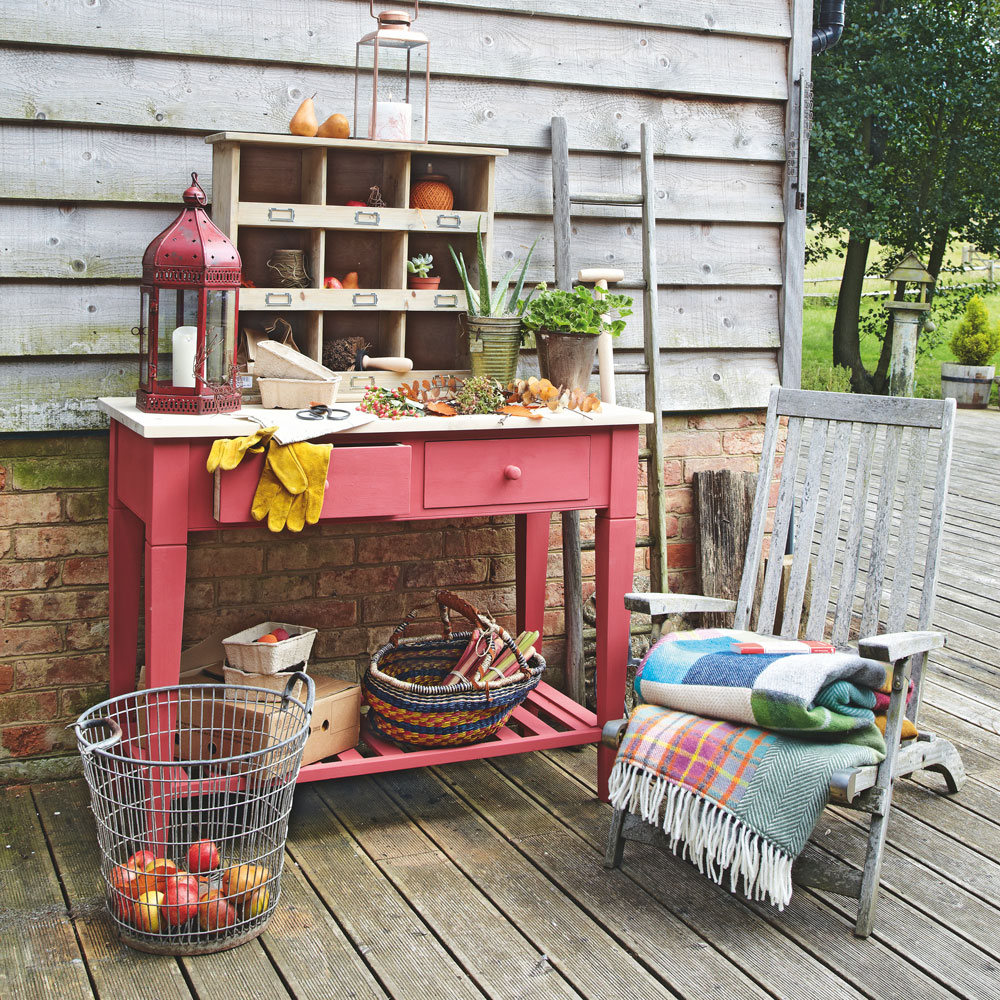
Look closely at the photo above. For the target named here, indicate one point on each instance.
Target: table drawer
(363, 481)
(506, 471)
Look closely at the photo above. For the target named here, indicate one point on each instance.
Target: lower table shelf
(546, 719)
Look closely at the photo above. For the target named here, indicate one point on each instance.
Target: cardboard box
(235, 729)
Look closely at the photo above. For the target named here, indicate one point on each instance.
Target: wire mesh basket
(191, 788)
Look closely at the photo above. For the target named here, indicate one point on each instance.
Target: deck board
(484, 879)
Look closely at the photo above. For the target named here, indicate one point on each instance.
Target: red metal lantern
(187, 330)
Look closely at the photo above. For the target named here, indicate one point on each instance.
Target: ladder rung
(633, 370)
(645, 454)
(589, 198)
(635, 628)
(641, 542)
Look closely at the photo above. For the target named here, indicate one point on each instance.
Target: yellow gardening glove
(227, 453)
(291, 487)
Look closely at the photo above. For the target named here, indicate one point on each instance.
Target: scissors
(319, 411)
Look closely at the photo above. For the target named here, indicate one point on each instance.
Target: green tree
(904, 145)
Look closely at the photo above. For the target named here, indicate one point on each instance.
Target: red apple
(203, 856)
(181, 902)
(140, 860)
(125, 908)
(357, 204)
(160, 871)
(214, 913)
(280, 634)
(332, 282)
(148, 908)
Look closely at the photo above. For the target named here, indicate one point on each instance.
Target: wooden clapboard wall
(105, 106)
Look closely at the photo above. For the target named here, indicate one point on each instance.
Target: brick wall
(355, 582)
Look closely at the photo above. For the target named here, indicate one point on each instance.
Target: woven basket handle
(447, 601)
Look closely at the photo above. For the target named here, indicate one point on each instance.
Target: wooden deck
(485, 879)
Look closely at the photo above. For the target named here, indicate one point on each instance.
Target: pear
(304, 120)
(335, 127)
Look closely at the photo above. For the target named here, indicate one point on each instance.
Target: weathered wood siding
(105, 106)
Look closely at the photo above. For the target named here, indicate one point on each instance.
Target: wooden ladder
(652, 453)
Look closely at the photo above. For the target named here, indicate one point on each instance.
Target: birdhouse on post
(906, 321)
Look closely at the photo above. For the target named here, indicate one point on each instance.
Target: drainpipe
(831, 25)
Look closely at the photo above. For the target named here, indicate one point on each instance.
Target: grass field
(817, 329)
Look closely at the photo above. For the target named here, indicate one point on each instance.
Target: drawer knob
(512, 472)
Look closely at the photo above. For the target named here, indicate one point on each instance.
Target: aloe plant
(484, 302)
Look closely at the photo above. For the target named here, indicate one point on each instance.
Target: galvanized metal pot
(566, 359)
(494, 342)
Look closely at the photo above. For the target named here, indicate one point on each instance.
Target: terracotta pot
(429, 283)
(494, 344)
(968, 385)
(566, 359)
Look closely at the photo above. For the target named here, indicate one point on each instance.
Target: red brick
(5, 542)
(84, 570)
(314, 554)
(86, 635)
(747, 441)
(394, 607)
(91, 506)
(405, 547)
(28, 575)
(673, 472)
(339, 643)
(687, 527)
(53, 670)
(723, 421)
(449, 573)
(262, 590)
(58, 606)
(357, 580)
(687, 443)
(503, 570)
(680, 555)
(6, 676)
(738, 463)
(321, 614)
(60, 540)
(32, 706)
(674, 422)
(678, 501)
(495, 540)
(31, 639)
(26, 741)
(683, 581)
(74, 700)
(29, 508)
(226, 560)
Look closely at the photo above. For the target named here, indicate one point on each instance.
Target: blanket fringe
(714, 839)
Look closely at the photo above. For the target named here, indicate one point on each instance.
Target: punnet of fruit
(270, 647)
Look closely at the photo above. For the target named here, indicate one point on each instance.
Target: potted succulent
(974, 343)
(419, 268)
(493, 319)
(566, 327)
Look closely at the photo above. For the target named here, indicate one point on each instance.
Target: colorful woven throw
(743, 794)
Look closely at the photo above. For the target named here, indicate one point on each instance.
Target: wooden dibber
(600, 276)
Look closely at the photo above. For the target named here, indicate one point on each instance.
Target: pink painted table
(387, 471)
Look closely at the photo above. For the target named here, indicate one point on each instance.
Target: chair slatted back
(862, 489)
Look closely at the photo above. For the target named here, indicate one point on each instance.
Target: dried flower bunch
(541, 392)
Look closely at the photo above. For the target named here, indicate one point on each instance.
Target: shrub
(826, 378)
(975, 341)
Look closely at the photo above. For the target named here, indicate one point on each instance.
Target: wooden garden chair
(867, 477)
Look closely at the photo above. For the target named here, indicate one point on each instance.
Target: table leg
(125, 540)
(166, 571)
(615, 553)
(531, 548)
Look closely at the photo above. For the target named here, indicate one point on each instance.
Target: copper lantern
(187, 330)
(389, 118)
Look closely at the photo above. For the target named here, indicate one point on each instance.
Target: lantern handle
(195, 194)
(416, 9)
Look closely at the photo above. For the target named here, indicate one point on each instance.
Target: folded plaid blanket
(738, 794)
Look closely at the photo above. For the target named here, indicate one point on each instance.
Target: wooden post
(903, 362)
(724, 502)
(572, 567)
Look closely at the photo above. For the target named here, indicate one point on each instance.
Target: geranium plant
(577, 311)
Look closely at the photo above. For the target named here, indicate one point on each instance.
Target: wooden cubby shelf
(277, 192)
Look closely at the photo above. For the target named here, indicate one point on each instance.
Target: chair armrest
(895, 646)
(676, 604)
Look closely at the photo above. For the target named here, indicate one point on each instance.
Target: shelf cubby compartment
(470, 179)
(350, 176)
(280, 176)
(435, 342)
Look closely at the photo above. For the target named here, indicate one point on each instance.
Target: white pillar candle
(185, 342)
(392, 121)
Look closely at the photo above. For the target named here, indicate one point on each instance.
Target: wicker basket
(245, 653)
(407, 703)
